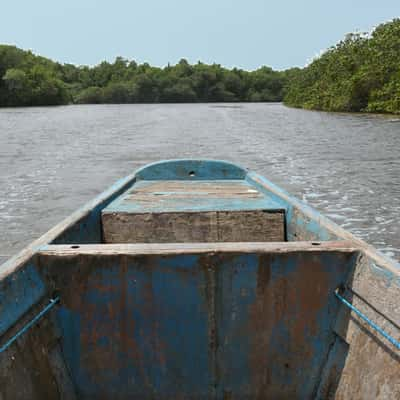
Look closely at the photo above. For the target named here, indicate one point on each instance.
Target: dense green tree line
(27, 79)
(360, 73)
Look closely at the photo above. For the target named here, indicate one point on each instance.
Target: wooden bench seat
(193, 211)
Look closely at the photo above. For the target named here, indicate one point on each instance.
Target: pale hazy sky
(246, 34)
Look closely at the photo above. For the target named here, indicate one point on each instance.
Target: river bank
(389, 116)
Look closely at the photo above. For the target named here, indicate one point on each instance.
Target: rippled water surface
(52, 160)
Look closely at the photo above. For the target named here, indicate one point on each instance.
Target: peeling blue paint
(18, 293)
(200, 325)
(311, 226)
(388, 276)
(190, 169)
(88, 228)
(215, 325)
(146, 324)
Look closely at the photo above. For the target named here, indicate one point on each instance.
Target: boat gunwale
(21, 258)
(379, 259)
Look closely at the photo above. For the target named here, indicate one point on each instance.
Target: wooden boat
(197, 279)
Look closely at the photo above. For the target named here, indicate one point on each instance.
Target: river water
(54, 159)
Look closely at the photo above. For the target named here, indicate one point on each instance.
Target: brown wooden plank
(213, 226)
(198, 186)
(198, 248)
(159, 191)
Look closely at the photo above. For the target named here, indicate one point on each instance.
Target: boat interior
(198, 279)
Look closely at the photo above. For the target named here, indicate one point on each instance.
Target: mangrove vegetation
(360, 73)
(29, 80)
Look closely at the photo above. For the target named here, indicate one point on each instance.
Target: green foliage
(90, 95)
(360, 73)
(180, 92)
(26, 79)
(387, 98)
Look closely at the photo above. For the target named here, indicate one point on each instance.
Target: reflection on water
(54, 159)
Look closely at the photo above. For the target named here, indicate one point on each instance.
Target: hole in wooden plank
(75, 247)
(192, 173)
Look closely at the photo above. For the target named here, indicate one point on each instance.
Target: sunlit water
(52, 160)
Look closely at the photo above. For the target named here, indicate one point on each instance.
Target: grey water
(54, 159)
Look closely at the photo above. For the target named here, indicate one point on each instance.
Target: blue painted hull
(197, 279)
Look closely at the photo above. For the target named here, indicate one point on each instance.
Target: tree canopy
(360, 73)
(27, 79)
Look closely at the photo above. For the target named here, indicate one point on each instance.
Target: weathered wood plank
(197, 188)
(198, 248)
(181, 227)
(199, 196)
(250, 226)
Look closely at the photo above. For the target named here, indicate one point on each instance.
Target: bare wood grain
(213, 226)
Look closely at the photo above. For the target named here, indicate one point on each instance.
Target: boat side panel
(305, 223)
(32, 367)
(87, 229)
(18, 293)
(74, 229)
(197, 325)
(300, 225)
(134, 327)
(22, 292)
(371, 370)
(275, 320)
